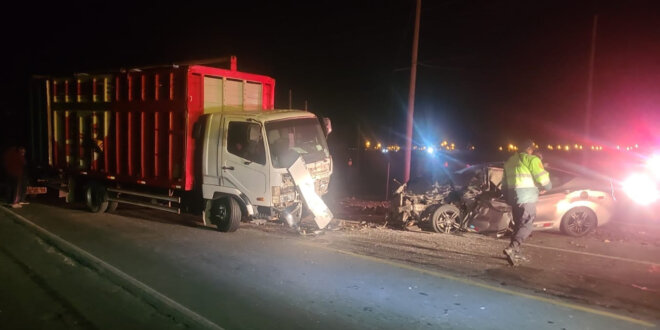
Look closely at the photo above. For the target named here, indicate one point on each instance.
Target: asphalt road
(265, 277)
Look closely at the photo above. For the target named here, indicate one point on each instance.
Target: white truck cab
(244, 163)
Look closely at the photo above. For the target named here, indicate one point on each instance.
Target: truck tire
(96, 197)
(226, 214)
(71, 189)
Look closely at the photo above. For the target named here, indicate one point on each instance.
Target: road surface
(264, 277)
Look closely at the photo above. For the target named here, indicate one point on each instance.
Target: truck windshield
(289, 138)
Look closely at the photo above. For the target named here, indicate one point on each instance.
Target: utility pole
(590, 86)
(305, 105)
(411, 96)
(290, 98)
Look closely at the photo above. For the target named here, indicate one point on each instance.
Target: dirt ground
(616, 267)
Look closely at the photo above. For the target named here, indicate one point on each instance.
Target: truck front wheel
(96, 197)
(226, 214)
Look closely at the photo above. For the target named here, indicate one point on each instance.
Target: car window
(246, 141)
(559, 178)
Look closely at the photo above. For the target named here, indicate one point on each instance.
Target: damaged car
(472, 200)
(466, 200)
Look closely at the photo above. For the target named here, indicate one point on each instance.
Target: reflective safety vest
(523, 173)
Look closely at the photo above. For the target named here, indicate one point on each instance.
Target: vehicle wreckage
(467, 200)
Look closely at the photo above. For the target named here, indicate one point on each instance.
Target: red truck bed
(136, 126)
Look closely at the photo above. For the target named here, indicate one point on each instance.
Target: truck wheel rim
(222, 212)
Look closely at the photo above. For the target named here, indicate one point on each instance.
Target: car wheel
(578, 221)
(96, 198)
(446, 219)
(226, 214)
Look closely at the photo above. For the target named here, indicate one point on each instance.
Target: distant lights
(394, 148)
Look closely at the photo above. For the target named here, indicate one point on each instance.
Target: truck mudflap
(303, 180)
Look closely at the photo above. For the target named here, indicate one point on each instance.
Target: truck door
(243, 161)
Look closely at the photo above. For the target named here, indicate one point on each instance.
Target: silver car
(575, 205)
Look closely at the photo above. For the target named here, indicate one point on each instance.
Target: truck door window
(245, 140)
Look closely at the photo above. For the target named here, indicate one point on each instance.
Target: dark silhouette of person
(15, 167)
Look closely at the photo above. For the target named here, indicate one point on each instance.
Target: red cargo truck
(162, 137)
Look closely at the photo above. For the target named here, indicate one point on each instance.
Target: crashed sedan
(575, 206)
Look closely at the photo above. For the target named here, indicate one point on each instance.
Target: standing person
(14, 162)
(524, 173)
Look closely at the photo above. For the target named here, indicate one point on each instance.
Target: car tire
(445, 219)
(226, 214)
(578, 221)
(96, 198)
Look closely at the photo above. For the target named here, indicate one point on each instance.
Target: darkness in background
(490, 71)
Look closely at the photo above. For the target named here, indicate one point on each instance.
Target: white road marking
(643, 262)
(129, 283)
(484, 285)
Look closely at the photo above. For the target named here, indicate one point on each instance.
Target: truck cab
(245, 158)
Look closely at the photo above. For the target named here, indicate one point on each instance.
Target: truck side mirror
(327, 126)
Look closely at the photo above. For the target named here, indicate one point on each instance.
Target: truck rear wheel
(96, 198)
(226, 214)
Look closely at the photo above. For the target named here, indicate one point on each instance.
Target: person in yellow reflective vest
(524, 175)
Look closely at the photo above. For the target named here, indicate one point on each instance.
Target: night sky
(490, 71)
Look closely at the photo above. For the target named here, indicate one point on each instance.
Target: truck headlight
(285, 193)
